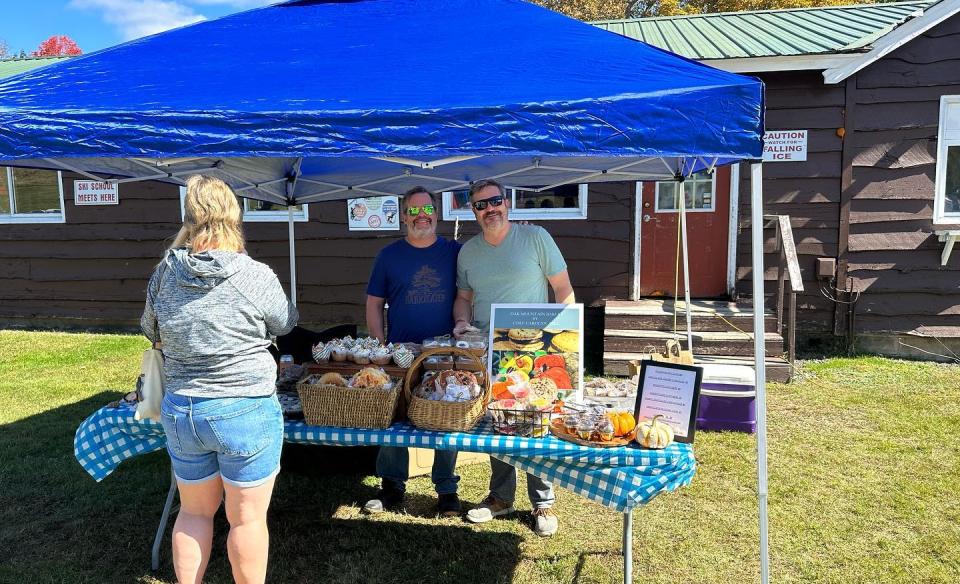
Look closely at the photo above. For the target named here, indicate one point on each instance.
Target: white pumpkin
(654, 433)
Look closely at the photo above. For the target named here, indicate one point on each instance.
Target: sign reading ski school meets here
(785, 146)
(95, 192)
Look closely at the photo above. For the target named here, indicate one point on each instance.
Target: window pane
(255, 205)
(36, 191)
(460, 200)
(667, 196)
(562, 197)
(4, 192)
(952, 191)
(698, 193)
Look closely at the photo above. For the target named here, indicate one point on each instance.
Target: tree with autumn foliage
(58, 46)
(611, 9)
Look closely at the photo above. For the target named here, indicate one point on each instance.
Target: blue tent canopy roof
(323, 81)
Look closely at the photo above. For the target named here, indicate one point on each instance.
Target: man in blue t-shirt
(416, 278)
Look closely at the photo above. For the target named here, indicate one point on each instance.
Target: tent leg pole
(628, 547)
(164, 518)
(293, 256)
(686, 266)
(759, 348)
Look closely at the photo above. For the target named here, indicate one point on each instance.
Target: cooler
(727, 399)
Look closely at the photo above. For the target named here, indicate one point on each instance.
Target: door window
(699, 191)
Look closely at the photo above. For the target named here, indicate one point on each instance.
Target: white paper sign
(785, 146)
(671, 392)
(373, 214)
(95, 192)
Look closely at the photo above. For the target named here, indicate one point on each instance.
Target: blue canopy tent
(318, 100)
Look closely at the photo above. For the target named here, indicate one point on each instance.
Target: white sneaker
(545, 522)
(373, 506)
(490, 507)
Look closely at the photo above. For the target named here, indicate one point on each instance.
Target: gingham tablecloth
(619, 478)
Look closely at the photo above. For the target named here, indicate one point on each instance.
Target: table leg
(628, 547)
(164, 518)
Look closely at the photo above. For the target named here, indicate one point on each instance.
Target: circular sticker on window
(373, 221)
(390, 211)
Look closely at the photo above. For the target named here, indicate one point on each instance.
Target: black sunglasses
(492, 201)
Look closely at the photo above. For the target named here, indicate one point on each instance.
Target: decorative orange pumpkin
(544, 362)
(623, 423)
(501, 390)
(654, 433)
(559, 376)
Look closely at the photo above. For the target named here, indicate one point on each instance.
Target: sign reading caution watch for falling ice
(785, 146)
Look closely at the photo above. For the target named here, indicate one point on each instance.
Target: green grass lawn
(864, 473)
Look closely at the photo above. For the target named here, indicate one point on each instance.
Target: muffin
(380, 356)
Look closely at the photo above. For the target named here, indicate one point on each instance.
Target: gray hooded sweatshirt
(215, 312)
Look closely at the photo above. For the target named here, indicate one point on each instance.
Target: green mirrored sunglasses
(414, 211)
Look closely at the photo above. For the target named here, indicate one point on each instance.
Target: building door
(708, 219)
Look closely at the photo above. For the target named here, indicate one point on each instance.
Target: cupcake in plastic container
(339, 352)
(380, 356)
(403, 357)
(321, 352)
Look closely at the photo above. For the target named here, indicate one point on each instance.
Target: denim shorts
(238, 438)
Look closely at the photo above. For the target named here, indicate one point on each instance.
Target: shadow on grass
(58, 525)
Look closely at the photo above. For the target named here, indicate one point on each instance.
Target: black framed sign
(672, 391)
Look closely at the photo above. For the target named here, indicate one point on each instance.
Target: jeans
(393, 464)
(503, 485)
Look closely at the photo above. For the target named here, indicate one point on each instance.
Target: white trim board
(895, 39)
(782, 63)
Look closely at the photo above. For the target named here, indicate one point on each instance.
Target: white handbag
(150, 386)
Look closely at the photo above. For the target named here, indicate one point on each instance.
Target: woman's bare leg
(193, 530)
(249, 542)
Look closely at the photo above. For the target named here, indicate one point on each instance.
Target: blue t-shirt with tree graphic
(419, 285)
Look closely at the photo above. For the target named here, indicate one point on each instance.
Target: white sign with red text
(785, 146)
(95, 192)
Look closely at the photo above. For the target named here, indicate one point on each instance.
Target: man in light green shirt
(507, 263)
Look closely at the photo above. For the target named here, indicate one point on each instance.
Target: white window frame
(540, 214)
(946, 136)
(278, 216)
(13, 217)
(713, 197)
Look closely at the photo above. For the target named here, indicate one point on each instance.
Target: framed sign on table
(541, 341)
(672, 391)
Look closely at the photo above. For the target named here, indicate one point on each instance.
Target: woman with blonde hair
(213, 310)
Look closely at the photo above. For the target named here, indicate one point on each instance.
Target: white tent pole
(686, 264)
(293, 255)
(756, 230)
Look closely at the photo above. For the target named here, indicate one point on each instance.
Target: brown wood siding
(92, 271)
(894, 255)
(809, 192)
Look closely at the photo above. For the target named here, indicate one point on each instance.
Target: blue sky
(97, 24)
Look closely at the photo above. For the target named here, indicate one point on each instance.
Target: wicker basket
(348, 407)
(446, 416)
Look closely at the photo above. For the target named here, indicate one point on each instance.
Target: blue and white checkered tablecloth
(619, 478)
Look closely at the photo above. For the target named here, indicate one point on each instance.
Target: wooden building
(876, 88)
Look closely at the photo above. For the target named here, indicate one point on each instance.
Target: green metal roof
(13, 66)
(770, 33)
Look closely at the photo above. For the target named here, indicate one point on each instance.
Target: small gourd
(623, 423)
(654, 433)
